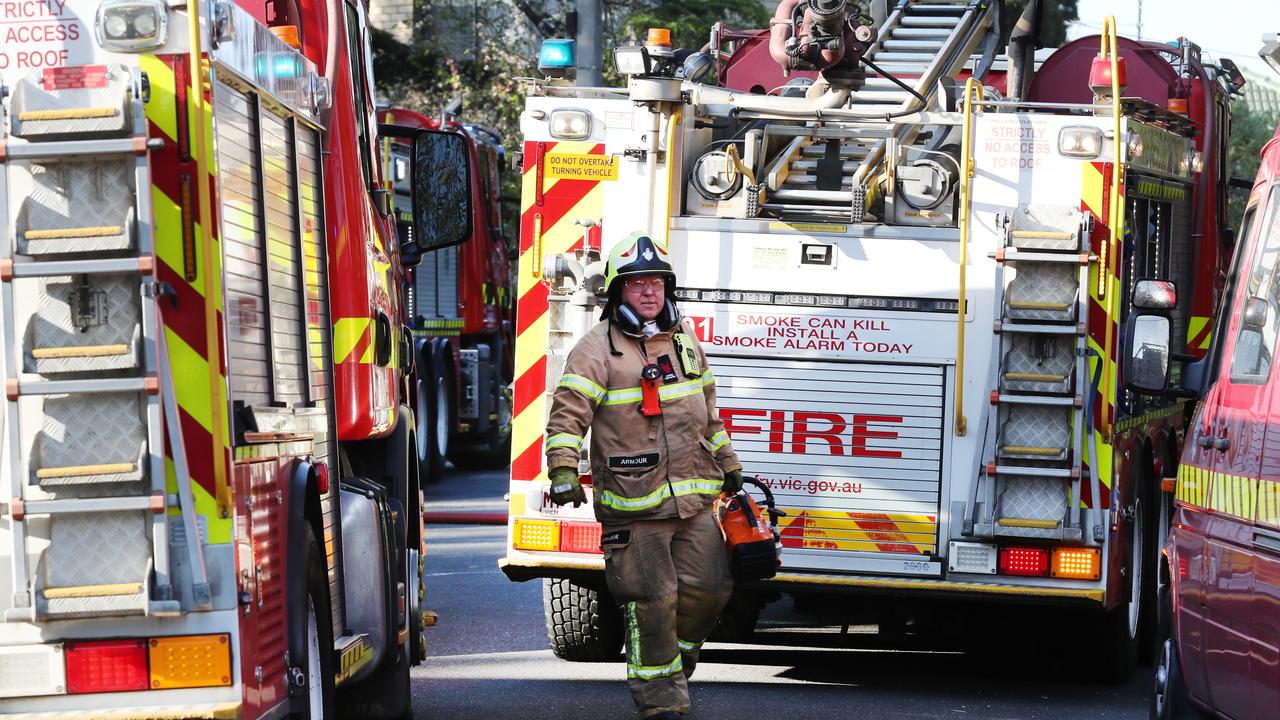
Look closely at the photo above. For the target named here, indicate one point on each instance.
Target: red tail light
(1025, 561)
(110, 666)
(583, 537)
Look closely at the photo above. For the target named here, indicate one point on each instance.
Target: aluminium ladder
(920, 43)
(1035, 446)
(83, 438)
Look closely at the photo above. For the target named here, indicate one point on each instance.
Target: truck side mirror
(441, 189)
(1254, 317)
(433, 202)
(1146, 359)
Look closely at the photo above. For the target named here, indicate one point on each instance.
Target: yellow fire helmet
(638, 254)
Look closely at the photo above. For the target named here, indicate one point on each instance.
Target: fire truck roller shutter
(258, 184)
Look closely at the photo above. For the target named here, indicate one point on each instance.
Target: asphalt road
(488, 656)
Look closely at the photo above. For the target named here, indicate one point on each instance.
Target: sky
(1222, 28)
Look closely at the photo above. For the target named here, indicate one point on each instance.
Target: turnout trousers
(670, 577)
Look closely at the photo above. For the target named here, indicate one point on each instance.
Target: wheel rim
(442, 420)
(416, 593)
(1136, 563)
(315, 679)
(1163, 668)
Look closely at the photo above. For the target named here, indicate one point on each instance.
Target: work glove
(565, 487)
(732, 482)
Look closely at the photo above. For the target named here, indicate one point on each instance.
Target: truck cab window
(359, 83)
(1260, 316)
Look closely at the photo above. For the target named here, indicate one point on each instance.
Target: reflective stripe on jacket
(668, 465)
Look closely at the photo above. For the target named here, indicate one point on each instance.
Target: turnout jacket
(668, 465)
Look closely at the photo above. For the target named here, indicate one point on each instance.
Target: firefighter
(659, 457)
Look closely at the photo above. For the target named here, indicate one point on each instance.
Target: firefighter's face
(645, 294)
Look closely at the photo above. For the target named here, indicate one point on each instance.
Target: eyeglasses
(641, 284)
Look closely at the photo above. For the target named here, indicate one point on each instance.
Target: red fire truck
(211, 503)
(1220, 579)
(915, 291)
(460, 313)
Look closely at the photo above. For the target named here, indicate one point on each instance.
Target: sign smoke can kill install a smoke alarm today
(582, 167)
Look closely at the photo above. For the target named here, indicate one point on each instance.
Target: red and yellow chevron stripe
(194, 348)
(859, 531)
(549, 209)
(1094, 200)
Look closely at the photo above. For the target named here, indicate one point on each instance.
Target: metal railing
(972, 88)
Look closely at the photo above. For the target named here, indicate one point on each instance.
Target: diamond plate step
(100, 107)
(84, 323)
(1043, 292)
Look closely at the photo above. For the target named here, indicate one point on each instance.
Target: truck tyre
(1170, 700)
(384, 695)
(438, 413)
(492, 450)
(317, 666)
(737, 621)
(583, 624)
(1121, 626)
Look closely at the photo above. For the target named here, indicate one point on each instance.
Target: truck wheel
(491, 452)
(1121, 627)
(384, 695)
(737, 621)
(438, 413)
(1170, 700)
(318, 664)
(583, 624)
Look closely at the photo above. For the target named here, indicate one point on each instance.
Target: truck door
(1235, 440)
(1264, 641)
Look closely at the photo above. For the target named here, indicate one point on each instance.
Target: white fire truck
(942, 318)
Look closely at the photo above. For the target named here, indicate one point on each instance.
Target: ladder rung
(938, 8)
(71, 471)
(82, 591)
(68, 148)
(90, 113)
(1034, 377)
(910, 45)
(80, 351)
(923, 58)
(1018, 255)
(74, 233)
(1030, 450)
(829, 196)
(1034, 471)
(1006, 399)
(1038, 329)
(1042, 234)
(1028, 305)
(148, 384)
(19, 509)
(103, 266)
(1029, 523)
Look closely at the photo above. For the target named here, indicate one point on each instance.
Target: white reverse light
(131, 25)
(1080, 141)
(966, 557)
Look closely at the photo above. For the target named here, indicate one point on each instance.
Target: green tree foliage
(690, 21)
(1250, 130)
(1058, 14)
